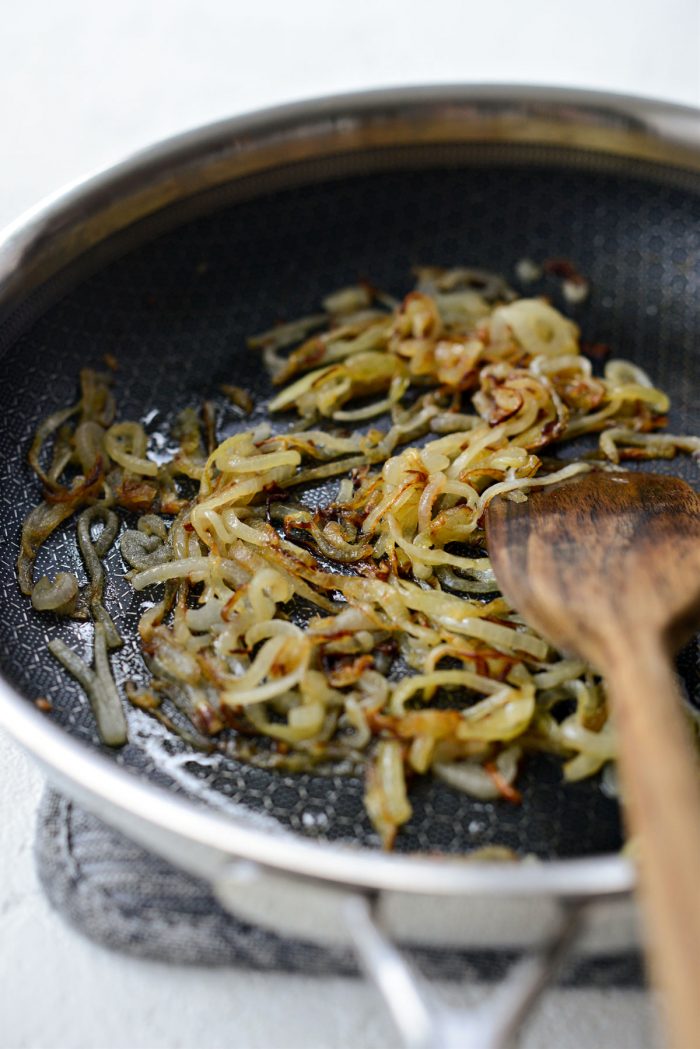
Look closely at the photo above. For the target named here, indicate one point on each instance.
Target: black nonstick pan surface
(175, 312)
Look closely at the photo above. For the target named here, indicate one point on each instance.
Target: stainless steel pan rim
(143, 809)
(41, 243)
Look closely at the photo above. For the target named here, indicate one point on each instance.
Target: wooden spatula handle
(661, 777)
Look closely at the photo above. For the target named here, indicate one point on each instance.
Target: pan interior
(175, 312)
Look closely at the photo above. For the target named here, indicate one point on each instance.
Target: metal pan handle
(422, 1022)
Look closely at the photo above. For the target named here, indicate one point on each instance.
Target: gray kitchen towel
(127, 899)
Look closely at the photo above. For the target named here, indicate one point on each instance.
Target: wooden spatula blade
(583, 558)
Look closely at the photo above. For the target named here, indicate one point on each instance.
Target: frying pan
(167, 262)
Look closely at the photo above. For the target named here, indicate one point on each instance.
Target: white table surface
(82, 84)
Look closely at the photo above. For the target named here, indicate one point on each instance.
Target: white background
(84, 83)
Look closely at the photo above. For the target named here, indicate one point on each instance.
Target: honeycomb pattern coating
(175, 313)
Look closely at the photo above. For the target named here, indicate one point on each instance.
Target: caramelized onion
(402, 665)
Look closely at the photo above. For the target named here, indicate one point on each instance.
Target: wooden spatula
(608, 567)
